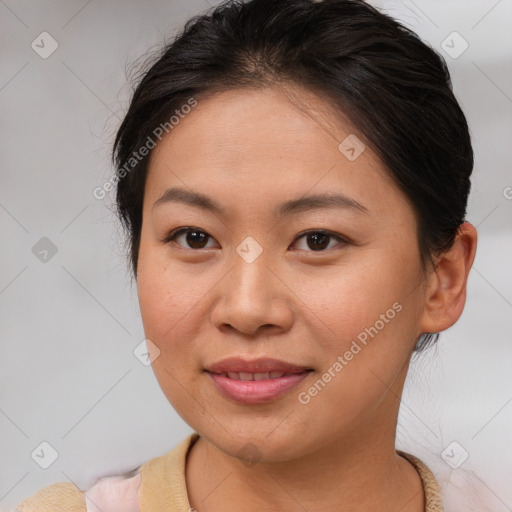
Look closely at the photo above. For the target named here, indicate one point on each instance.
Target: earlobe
(445, 293)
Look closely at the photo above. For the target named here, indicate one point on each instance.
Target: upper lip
(261, 365)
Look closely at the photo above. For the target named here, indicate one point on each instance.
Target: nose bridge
(252, 280)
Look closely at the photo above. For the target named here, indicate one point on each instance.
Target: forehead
(265, 144)
(274, 116)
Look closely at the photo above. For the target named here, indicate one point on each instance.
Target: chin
(252, 442)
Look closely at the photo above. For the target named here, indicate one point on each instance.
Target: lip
(261, 365)
(256, 391)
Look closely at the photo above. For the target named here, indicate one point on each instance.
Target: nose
(252, 299)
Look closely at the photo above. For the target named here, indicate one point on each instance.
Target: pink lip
(256, 391)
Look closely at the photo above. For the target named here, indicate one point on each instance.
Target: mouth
(248, 376)
(255, 382)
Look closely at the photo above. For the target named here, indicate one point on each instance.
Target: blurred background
(76, 402)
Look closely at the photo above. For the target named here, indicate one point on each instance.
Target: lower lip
(257, 391)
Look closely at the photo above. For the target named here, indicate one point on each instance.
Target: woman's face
(332, 291)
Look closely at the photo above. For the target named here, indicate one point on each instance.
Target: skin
(250, 150)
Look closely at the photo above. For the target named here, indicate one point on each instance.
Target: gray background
(69, 325)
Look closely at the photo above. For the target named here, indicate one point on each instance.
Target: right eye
(196, 238)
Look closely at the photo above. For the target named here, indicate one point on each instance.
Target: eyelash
(176, 232)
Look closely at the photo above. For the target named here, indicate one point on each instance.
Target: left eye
(319, 240)
(197, 239)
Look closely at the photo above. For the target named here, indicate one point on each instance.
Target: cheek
(347, 299)
(165, 290)
(168, 305)
(175, 300)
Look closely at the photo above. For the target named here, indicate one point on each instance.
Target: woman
(293, 177)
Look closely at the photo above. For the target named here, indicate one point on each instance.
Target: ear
(445, 293)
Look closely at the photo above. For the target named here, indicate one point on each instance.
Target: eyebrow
(303, 204)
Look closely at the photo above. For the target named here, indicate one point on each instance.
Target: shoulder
(108, 494)
(463, 489)
(114, 494)
(121, 493)
(58, 497)
(458, 489)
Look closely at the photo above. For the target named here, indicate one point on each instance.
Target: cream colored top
(159, 485)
